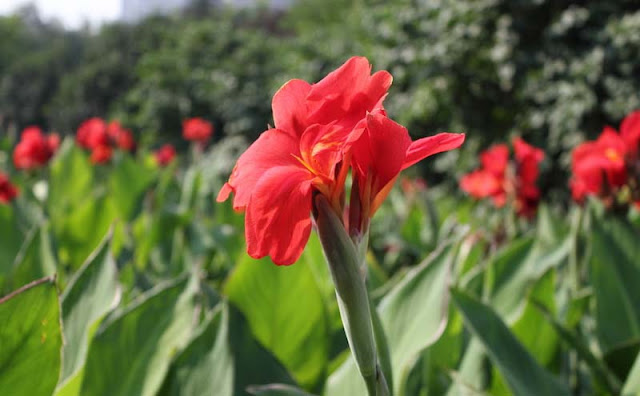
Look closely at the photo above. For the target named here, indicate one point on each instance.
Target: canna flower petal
(528, 159)
(347, 94)
(481, 184)
(7, 190)
(384, 150)
(495, 159)
(273, 148)
(630, 132)
(277, 221)
(425, 147)
(289, 107)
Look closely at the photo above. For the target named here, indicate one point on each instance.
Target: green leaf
(470, 377)
(413, 314)
(76, 239)
(30, 339)
(254, 365)
(519, 368)
(91, 293)
(531, 329)
(130, 354)
(285, 309)
(128, 181)
(615, 276)
(34, 261)
(206, 365)
(70, 178)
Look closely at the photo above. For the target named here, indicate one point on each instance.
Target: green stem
(351, 292)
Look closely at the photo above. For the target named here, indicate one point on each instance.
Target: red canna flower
(7, 190)
(495, 160)
(274, 180)
(124, 140)
(120, 137)
(197, 129)
(630, 133)
(164, 155)
(101, 154)
(35, 148)
(496, 180)
(483, 184)
(92, 133)
(310, 150)
(609, 164)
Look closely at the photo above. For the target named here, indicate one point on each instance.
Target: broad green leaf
(254, 365)
(128, 181)
(431, 373)
(615, 276)
(285, 309)
(574, 339)
(531, 329)
(91, 294)
(519, 368)
(84, 228)
(514, 271)
(470, 377)
(205, 366)
(30, 339)
(223, 359)
(34, 261)
(130, 354)
(70, 180)
(413, 314)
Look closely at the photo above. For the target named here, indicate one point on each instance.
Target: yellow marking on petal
(613, 155)
(381, 196)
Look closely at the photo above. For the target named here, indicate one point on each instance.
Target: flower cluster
(35, 148)
(7, 190)
(100, 138)
(505, 183)
(609, 167)
(322, 131)
(197, 130)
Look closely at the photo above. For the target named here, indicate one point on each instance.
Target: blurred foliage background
(553, 72)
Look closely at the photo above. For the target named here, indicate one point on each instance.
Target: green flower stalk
(351, 291)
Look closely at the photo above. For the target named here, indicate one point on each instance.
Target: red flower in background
(528, 160)
(122, 138)
(491, 179)
(92, 133)
(320, 131)
(101, 138)
(35, 148)
(7, 190)
(164, 155)
(498, 181)
(608, 165)
(101, 154)
(197, 130)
